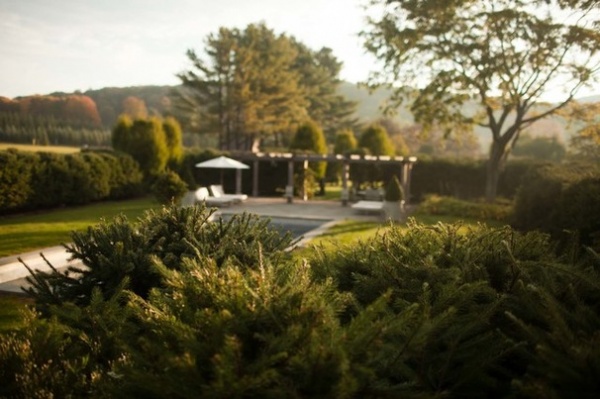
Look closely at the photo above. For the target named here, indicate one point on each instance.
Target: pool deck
(12, 272)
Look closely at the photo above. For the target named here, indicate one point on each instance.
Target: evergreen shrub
(482, 312)
(121, 252)
(30, 181)
(393, 191)
(169, 188)
(464, 179)
(176, 306)
(558, 197)
(579, 211)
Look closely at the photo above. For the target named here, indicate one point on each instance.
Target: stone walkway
(13, 273)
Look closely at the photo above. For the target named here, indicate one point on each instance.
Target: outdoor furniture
(202, 195)
(218, 192)
(368, 206)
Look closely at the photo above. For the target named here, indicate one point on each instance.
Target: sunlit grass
(10, 312)
(27, 232)
(40, 148)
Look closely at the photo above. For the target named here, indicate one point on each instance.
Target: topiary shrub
(169, 188)
(393, 191)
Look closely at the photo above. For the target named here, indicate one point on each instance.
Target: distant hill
(111, 101)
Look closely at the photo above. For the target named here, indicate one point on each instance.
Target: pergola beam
(255, 157)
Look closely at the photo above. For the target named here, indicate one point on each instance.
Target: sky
(69, 45)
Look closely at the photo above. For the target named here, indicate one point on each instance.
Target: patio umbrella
(226, 163)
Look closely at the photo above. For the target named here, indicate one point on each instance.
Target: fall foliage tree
(135, 107)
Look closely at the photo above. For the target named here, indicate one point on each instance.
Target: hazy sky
(68, 45)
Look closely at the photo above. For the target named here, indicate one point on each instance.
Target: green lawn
(40, 148)
(27, 232)
(10, 312)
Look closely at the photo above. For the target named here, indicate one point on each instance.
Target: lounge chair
(202, 195)
(368, 206)
(218, 192)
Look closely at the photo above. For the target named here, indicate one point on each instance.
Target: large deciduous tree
(503, 57)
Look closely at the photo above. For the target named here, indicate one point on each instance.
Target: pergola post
(289, 189)
(406, 177)
(345, 177)
(255, 178)
(238, 181)
(304, 167)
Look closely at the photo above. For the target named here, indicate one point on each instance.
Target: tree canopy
(375, 138)
(150, 141)
(501, 57)
(309, 137)
(253, 84)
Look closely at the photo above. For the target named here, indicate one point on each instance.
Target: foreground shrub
(488, 312)
(426, 311)
(120, 251)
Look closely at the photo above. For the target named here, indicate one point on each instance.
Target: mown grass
(40, 148)
(27, 232)
(11, 307)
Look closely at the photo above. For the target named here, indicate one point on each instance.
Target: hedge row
(561, 200)
(464, 179)
(30, 181)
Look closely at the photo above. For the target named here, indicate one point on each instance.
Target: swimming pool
(296, 227)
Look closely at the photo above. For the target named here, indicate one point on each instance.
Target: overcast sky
(68, 45)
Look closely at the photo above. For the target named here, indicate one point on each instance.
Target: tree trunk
(494, 166)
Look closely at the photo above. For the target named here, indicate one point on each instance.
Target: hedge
(30, 181)
(561, 199)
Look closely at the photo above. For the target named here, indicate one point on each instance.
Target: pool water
(296, 227)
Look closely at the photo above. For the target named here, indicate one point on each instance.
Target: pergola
(405, 163)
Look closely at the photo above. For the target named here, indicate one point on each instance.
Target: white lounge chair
(218, 192)
(368, 206)
(202, 195)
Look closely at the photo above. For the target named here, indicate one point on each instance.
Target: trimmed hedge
(464, 179)
(30, 181)
(561, 200)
